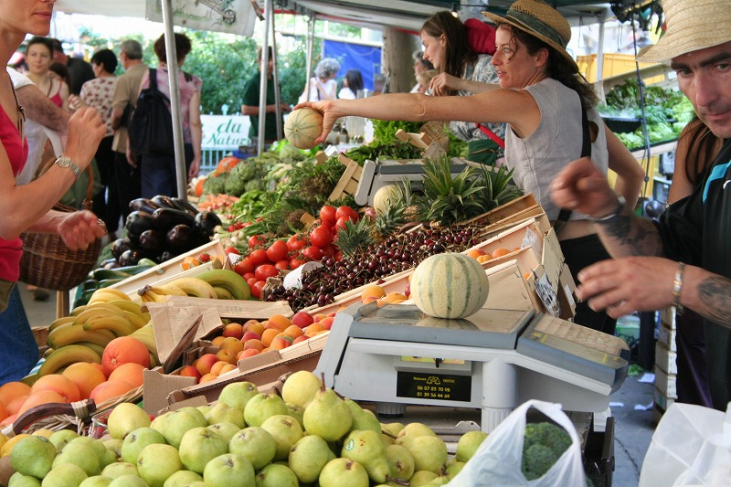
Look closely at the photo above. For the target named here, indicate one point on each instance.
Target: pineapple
(450, 200)
(355, 238)
(498, 190)
(403, 209)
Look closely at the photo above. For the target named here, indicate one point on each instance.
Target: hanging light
(455, 9)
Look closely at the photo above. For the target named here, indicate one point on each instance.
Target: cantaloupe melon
(385, 197)
(449, 286)
(302, 127)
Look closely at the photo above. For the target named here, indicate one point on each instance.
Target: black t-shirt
(251, 98)
(79, 73)
(697, 230)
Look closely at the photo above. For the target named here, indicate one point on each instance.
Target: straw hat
(691, 25)
(539, 20)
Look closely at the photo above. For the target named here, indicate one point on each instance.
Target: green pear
(107, 458)
(454, 469)
(387, 440)
(363, 419)
(400, 461)
(225, 430)
(65, 475)
(416, 429)
(179, 422)
(222, 412)
(158, 423)
(205, 409)
(118, 469)
(327, 416)
(300, 388)
(125, 418)
(342, 472)
(422, 477)
(33, 455)
(20, 480)
(275, 475)
(392, 429)
(468, 444)
(96, 481)
(96, 445)
(262, 406)
(114, 446)
(255, 444)
(429, 452)
(378, 469)
(285, 430)
(362, 446)
(128, 481)
(62, 438)
(308, 456)
(81, 454)
(157, 462)
(439, 480)
(199, 446)
(229, 470)
(182, 478)
(238, 394)
(134, 442)
(297, 412)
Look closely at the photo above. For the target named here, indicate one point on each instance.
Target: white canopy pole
(172, 58)
(277, 92)
(308, 62)
(264, 80)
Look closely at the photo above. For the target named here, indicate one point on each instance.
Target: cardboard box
(156, 387)
(665, 383)
(665, 359)
(666, 336)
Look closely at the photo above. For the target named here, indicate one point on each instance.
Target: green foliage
(543, 445)
(498, 188)
(450, 199)
(385, 130)
(383, 149)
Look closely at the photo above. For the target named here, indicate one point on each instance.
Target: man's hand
(81, 228)
(581, 186)
(285, 108)
(622, 286)
(195, 168)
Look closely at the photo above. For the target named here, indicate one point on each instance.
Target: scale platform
(493, 360)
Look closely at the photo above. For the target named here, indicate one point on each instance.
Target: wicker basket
(48, 263)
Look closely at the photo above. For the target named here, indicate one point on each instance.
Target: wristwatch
(64, 161)
(621, 203)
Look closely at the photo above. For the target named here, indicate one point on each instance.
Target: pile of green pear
(307, 436)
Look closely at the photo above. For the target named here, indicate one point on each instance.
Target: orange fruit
(268, 336)
(207, 378)
(313, 328)
(3, 412)
(232, 344)
(499, 252)
(63, 386)
(395, 298)
(216, 342)
(123, 350)
(86, 376)
(293, 331)
(41, 397)
(255, 327)
(372, 292)
(131, 372)
(216, 369)
(475, 253)
(14, 406)
(281, 342)
(279, 322)
(110, 390)
(228, 356)
(13, 390)
(250, 352)
(253, 344)
(483, 258)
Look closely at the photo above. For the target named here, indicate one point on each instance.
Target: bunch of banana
(159, 294)
(194, 287)
(105, 295)
(226, 283)
(147, 337)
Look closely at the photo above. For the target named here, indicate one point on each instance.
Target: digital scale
(493, 360)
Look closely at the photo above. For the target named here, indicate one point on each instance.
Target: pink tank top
(56, 98)
(17, 150)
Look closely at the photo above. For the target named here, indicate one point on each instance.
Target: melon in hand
(302, 127)
(449, 286)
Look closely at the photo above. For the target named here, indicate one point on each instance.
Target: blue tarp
(367, 59)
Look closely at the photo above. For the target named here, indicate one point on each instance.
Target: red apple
(302, 319)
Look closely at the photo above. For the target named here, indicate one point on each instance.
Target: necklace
(20, 124)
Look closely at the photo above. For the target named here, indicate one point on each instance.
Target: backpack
(150, 129)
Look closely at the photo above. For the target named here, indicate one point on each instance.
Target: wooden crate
(348, 184)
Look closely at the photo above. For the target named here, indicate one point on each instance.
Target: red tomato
(327, 214)
(312, 253)
(341, 222)
(296, 242)
(321, 236)
(243, 266)
(256, 241)
(258, 257)
(232, 250)
(277, 251)
(264, 271)
(282, 265)
(248, 276)
(295, 263)
(328, 250)
(346, 211)
(256, 289)
(251, 281)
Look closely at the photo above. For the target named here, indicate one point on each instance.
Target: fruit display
(211, 284)
(161, 228)
(307, 436)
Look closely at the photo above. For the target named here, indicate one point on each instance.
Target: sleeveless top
(538, 158)
(56, 98)
(17, 151)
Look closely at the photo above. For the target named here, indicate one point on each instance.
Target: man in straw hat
(650, 270)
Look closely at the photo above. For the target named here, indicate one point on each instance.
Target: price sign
(437, 387)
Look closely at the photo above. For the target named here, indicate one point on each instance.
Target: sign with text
(229, 16)
(225, 131)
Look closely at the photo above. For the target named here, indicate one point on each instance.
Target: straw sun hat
(691, 25)
(539, 20)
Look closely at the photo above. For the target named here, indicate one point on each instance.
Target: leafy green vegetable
(385, 130)
(543, 445)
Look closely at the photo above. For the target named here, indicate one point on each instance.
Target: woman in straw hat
(28, 208)
(541, 97)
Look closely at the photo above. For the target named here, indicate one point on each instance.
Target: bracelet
(678, 286)
(621, 203)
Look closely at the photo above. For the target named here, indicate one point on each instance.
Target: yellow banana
(152, 294)
(169, 289)
(137, 320)
(195, 287)
(108, 294)
(146, 337)
(97, 348)
(78, 310)
(129, 306)
(222, 293)
(70, 334)
(228, 279)
(154, 361)
(68, 355)
(93, 313)
(116, 324)
(66, 320)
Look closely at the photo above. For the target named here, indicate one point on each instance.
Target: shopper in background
(39, 53)
(28, 208)
(352, 83)
(158, 172)
(250, 106)
(79, 70)
(423, 80)
(462, 72)
(99, 93)
(126, 92)
(683, 259)
(544, 100)
(323, 85)
(420, 65)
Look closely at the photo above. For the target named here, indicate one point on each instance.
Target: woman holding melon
(28, 208)
(549, 109)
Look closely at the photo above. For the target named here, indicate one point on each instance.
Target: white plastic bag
(497, 462)
(691, 446)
